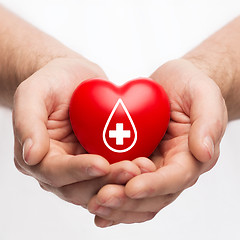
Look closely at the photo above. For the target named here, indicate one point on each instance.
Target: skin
(45, 146)
(32, 80)
(181, 157)
(203, 89)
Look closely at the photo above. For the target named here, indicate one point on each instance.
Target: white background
(128, 38)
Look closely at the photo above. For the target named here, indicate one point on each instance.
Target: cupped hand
(189, 148)
(45, 145)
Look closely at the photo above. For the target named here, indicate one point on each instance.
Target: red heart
(119, 123)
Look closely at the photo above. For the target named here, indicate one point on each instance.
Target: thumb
(29, 123)
(208, 116)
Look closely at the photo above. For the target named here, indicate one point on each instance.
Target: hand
(45, 146)
(189, 148)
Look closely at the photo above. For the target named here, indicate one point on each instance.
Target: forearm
(23, 50)
(219, 57)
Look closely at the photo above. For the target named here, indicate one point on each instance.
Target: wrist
(24, 50)
(22, 67)
(221, 68)
(27, 63)
(218, 57)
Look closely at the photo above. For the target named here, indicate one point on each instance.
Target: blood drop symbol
(119, 133)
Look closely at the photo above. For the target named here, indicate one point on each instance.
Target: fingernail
(208, 142)
(103, 211)
(95, 172)
(26, 149)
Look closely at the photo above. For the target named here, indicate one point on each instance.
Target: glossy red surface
(119, 122)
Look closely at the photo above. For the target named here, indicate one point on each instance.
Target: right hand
(198, 113)
(45, 146)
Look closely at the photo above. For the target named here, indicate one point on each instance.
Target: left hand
(189, 148)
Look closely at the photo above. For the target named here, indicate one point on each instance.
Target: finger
(81, 192)
(115, 217)
(181, 173)
(61, 170)
(145, 164)
(29, 121)
(114, 197)
(18, 160)
(209, 119)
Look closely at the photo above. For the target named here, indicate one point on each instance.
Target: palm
(174, 154)
(180, 82)
(48, 93)
(62, 138)
(173, 145)
(197, 111)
